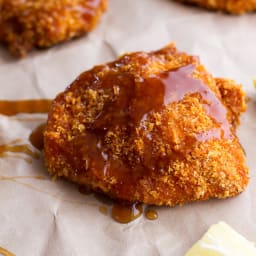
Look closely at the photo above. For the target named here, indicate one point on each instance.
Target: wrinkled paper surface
(41, 217)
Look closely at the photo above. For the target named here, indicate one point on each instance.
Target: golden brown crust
(230, 6)
(43, 23)
(233, 97)
(120, 128)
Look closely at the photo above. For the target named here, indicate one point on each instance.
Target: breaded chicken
(230, 6)
(149, 127)
(43, 23)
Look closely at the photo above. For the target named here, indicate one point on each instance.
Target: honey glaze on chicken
(150, 127)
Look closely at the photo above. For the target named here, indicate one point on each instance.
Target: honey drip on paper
(10, 108)
(23, 148)
(125, 213)
(36, 137)
(120, 212)
(151, 214)
(4, 252)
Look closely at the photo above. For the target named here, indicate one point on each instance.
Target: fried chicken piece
(230, 6)
(43, 23)
(150, 127)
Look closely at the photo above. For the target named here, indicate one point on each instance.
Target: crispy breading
(43, 23)
(150, 127)
(230, 6)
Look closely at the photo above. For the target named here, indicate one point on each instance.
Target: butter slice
(254, 82)
(222, 240)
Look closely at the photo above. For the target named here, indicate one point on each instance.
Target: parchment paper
(41, 217)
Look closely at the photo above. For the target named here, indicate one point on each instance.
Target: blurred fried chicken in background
(230, 6)
(43, 23)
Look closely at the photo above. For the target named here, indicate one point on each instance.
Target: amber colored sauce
(36, 137)
(125, 213)
(24, 148)
(4, 252)
(131, 105)
(158, 91)
(10, 108)
(151, 214)
(179, 83)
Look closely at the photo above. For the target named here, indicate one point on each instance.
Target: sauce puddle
(125, 213)
(151, 214)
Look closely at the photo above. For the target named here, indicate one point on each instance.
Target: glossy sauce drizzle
(125, 213)
(10, 108)
(23, 148)
(179, 83)
(132, 103)
(160, 90)
(151, 214)
(36, 138)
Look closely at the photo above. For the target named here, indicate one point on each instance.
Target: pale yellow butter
(254, 82)
(222, 240)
